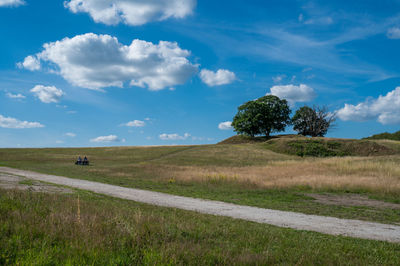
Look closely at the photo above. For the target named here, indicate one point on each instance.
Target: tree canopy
(262, 116)
(314, 122)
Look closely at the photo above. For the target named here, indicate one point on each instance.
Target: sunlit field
(248, 174)
(82, 228)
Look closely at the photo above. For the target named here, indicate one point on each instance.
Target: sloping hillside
(386, 135)
(317, 147)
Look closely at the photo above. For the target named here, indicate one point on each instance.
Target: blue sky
(135, 72)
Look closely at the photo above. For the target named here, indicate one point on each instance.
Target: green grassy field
(54, 229)
(39, 228)
(247, 174)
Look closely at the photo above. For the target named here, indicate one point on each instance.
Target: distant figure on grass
(85, 161)
(79, 161)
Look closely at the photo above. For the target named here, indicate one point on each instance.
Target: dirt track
(299, 221)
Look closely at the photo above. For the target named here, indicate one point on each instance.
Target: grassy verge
(37, 228)
(246, 174)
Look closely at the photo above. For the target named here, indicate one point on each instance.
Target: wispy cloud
(174, 136)
(278, 78)
(393, 33)
(70, 134)
(107, 139)
(15, 96)
(9, 3)
(286, 43)
(134, 123)
(9, 122)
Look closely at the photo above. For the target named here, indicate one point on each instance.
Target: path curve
(299, 221)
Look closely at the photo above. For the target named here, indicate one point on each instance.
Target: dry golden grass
(372, 174)
(210, 155)
(249, 165)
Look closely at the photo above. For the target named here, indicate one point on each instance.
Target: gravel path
(322, 224)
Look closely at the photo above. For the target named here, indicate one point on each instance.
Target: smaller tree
(314, 122)
(262, 116)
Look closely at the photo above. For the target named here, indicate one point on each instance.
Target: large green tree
(314, 122)
(262, 116)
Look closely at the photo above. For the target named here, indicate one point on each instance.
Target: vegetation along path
(322, 224)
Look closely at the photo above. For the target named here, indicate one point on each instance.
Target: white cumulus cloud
(174, 136)
(132, 12)
(30, 62)
(15, 96)
(393, 33)
(135, 123)
(225, 125)
(293, 93)
(221, 77)
(9, 122)
(97, 61)
(11, 2)
(385, 109)
(47, 94)
(109, 138)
